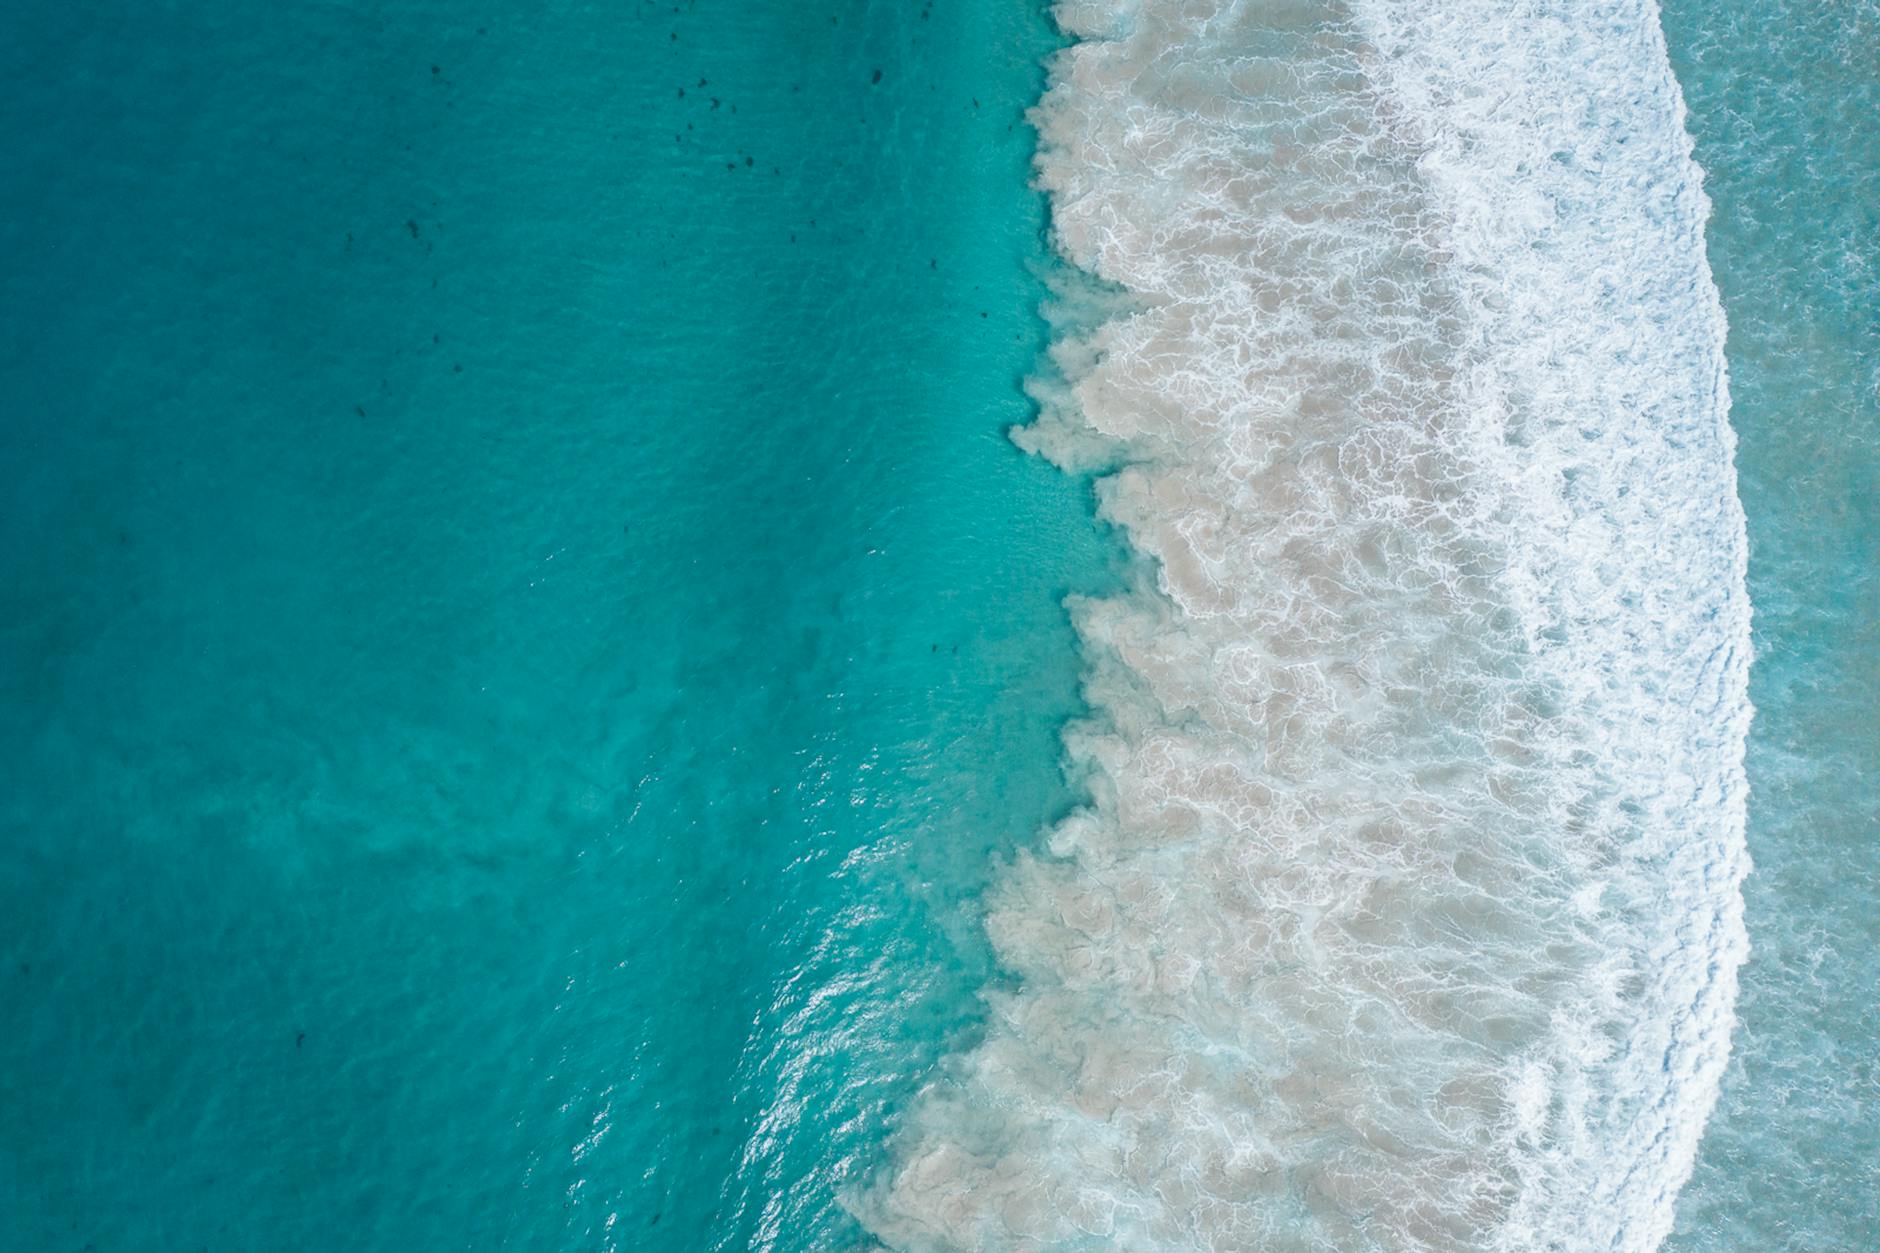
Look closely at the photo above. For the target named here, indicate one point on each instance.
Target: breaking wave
(1406, 910)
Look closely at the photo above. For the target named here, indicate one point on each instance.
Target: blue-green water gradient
(522, 626)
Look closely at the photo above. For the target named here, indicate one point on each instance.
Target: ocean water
(1406, 910)
(523, 627)
(1783, 98)
(537, 702)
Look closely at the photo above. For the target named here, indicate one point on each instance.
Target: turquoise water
(523, 628)
(529, 661)
(1783, 99)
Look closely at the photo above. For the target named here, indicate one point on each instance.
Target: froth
(1406, 912)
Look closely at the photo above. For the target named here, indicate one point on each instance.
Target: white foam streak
(1406, 913)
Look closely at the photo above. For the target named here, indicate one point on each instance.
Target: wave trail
(1406, 912)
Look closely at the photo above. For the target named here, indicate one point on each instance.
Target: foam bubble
(1405, 913)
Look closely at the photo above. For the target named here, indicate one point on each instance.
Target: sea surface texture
(1784, 97)
(941, 625)
(1406, 910)
(521, 627)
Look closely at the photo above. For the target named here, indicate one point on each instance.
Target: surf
(1405, 911)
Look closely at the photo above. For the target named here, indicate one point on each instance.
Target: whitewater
(1405, 912)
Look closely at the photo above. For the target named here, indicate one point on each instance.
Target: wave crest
(1405, 913)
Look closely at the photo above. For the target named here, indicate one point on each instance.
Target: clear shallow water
(520, 641)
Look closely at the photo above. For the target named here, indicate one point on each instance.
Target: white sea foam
(1406, 914)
